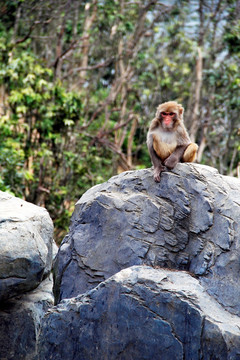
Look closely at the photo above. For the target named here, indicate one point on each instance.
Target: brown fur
(162, 149)
(170, 106)
(169, 144)
(190, 153)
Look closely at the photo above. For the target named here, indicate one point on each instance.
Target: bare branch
(28, 34)
(71, 47)
(30, 31)
(93, 67)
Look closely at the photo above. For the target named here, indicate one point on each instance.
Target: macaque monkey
(167, 139)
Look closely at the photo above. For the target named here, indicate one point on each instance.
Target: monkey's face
(168, 119)
(169, 114)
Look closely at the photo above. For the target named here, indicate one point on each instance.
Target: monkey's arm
(156, 161)
(175, 157)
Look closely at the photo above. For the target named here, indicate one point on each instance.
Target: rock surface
(26, 252)
(141, 313)
(189, 221)
(26, 240)
(20, 320)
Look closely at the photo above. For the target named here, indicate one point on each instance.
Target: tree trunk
(195, 116)
(86, 44)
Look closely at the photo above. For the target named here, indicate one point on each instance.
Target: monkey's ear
(158, 112)
(181, 110)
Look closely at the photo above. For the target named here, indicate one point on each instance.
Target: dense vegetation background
(81, 80)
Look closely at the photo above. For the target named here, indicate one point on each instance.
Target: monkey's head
(170, 114)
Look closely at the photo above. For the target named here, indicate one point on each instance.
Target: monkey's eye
(164, 114)
(171, 114)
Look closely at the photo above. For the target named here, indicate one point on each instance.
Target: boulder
(189, 221)
(20, 320)
(141, 313)
(26, 241)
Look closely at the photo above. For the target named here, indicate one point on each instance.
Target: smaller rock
(26, 241)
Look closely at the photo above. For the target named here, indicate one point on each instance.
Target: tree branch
(93, 67)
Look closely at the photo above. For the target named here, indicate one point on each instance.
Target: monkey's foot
(157, 177)
(157, 173)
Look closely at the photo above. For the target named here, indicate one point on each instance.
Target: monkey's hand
(171, 161)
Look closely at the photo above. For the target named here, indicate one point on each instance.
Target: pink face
(168, 119)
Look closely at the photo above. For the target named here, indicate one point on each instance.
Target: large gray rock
(141, 313)
(26, 240)
(189, 221)
(20, 320)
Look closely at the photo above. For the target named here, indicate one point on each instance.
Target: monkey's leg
(156, 161)
(190, 153)
(157, 165)
(162, 150)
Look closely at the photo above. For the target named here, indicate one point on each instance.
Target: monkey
(167, 139)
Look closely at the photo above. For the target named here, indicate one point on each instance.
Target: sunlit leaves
(68, 122)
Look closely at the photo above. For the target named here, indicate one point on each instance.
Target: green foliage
(35, 146)
(224, 131)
